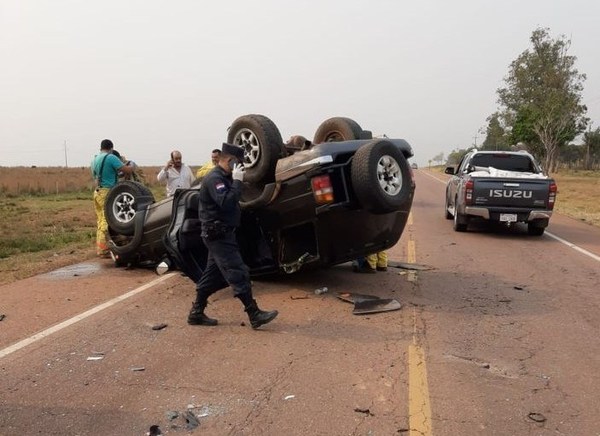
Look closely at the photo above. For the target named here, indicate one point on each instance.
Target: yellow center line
(419, 404)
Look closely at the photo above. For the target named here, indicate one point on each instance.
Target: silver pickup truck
(505, 187)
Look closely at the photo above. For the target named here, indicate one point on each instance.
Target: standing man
(207, 167)
(105, 170)
(220, 213)
(176, 174)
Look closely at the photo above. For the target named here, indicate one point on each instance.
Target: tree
(456, 155)
(591, 144)
(439, 158)
(496, 138)
(542, 98)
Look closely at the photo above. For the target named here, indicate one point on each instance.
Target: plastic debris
(96, 355)
(154, 431)
(537, 417)
(191, 420)
(159, 326)
(289, 397)
(321, 291)
(364, 410)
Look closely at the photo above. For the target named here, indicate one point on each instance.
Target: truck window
(507, 162)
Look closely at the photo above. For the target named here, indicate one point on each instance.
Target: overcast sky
(154, 76)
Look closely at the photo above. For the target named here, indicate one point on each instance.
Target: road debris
(537, 417)
(299, 297)
(518, 288)
(364, 410)
(365, 304)
(2, 316)
(409, 266)
(191, 420)
(159, 326)
(289, 397)
(96, 355)
(321, 291)
(154, 431)
(138, 368)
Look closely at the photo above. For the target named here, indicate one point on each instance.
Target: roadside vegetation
(43, 231)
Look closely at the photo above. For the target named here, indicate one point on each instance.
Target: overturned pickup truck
(506, 187)
(304, 203)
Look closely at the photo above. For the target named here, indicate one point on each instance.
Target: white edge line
(51, 330)
(563, 241)
(574, 247)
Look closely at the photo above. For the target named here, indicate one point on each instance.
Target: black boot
(259, 317)
(197, 316)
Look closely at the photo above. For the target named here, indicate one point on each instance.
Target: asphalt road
(497, 336)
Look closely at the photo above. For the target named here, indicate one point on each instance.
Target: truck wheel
(461, 222)
(261, 140)
(122, 202)
(448, 215)
(536, 229)
(380, 176)
(337, 129)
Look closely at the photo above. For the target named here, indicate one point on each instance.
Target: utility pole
(475, 141)
(65, 147)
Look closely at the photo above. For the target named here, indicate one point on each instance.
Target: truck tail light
(322, 189)
(469, 192)
(552, 195)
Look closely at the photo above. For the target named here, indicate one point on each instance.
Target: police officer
(220, 213)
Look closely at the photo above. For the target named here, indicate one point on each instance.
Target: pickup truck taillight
(469, 192)
(552, 195)
(322, 189)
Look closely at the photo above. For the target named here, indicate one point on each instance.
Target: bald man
(176, 174)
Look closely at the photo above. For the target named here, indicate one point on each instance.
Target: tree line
(541, 109)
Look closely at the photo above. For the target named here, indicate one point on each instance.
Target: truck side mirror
(449, 170)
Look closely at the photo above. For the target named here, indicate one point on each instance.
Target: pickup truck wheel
(121, 203)
(535, 229)
(461, 222)
(380, 176)
(261, 140)
(337, 129)
(448, 215)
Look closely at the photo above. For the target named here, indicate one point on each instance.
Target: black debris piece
(191, 420)
(2, 316)
(159, 326)
(375, 306)
(364, 410)
(154, 430)
(537, 417)
(353, 298)
(410, 266)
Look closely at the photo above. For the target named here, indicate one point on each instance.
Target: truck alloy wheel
(261, 140)
(381, 176)
(121, 204)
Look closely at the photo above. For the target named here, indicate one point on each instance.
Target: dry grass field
(47, 214)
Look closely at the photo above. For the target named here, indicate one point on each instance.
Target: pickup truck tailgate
(518, 192)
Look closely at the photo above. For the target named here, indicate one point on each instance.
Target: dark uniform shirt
(220, 198)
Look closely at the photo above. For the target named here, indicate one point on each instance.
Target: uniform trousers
(224, 267)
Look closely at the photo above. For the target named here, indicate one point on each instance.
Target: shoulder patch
(220, 186)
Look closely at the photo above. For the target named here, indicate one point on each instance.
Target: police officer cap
(233, 150)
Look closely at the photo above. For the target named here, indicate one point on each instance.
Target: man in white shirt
(176, 174)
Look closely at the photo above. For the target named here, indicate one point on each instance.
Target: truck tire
(461, 222)
(261, 140)
(338, 129)
(535, 228)
(447, 214)
(380, 177)
(121, 204)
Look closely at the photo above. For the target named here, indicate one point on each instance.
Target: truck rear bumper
(484, 213)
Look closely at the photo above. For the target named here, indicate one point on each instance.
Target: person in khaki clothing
(105, 170)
